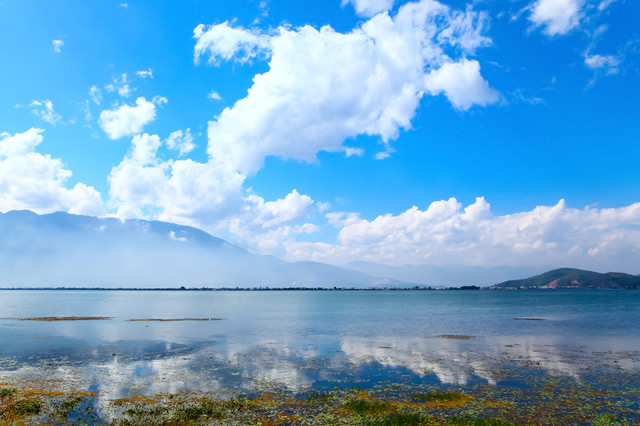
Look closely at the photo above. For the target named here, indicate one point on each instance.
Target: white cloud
(95, 94)
(128, 120)
(44, 110)
(350, 152)
(180, 191)
(207, 195)
(382, 155)
(33, 181)
(183, 142)
(608, 63)
(222, 43)
(605, 4)
(558, 17)
(124, 5)
(124, 91)
(448, 234)
(369, 8)
(265, 225)
(462, 83)
(323, 87)
(57, 45)
(121, 85)
(145, 74)
(85, 200)
(214, 95)
(287, 209)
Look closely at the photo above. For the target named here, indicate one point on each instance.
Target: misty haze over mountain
(455, 275)
(62, 249)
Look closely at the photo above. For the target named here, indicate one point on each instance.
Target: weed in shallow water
(607, 419)
(27, 408)
(7, 392)
(404, 419)
(65, 407)
(467, 421)
(362, 406)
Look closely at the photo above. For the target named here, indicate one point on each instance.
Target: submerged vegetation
(404, 405)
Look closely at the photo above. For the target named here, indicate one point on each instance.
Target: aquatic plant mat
(65, 395)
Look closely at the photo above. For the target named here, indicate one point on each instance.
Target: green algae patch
(172, 319)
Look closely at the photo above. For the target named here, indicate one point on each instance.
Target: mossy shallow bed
(543, 399)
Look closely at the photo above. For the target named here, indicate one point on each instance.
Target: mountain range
(573, 278)
(62, 249)
(66, 250)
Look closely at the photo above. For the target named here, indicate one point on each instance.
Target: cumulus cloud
(44, 110)
(462, 84)
(128, 120)
(57, 45)
(206, 195)
(223, 42)
(323, 86)
(264, 226)
(447, 234)
(182, 142)
(368, 8)
(33, 181)
(557, 17)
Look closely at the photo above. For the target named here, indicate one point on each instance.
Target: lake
(360, 356)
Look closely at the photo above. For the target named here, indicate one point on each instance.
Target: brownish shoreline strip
(455, 336)
(63, 319)
(174, 319)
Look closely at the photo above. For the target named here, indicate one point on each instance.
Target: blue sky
(315, 127)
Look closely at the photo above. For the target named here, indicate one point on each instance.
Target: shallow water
(322, 340)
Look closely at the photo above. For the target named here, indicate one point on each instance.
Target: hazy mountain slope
(574, 278)
(61, 249)
(443, 275)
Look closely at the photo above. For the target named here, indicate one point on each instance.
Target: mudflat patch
(63, 319)
(455, 336)
(172, 319)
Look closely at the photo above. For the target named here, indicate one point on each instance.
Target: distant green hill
(574, 278)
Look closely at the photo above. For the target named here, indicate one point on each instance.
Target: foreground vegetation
(402, 405)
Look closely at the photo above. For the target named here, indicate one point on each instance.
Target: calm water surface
(319, 339)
